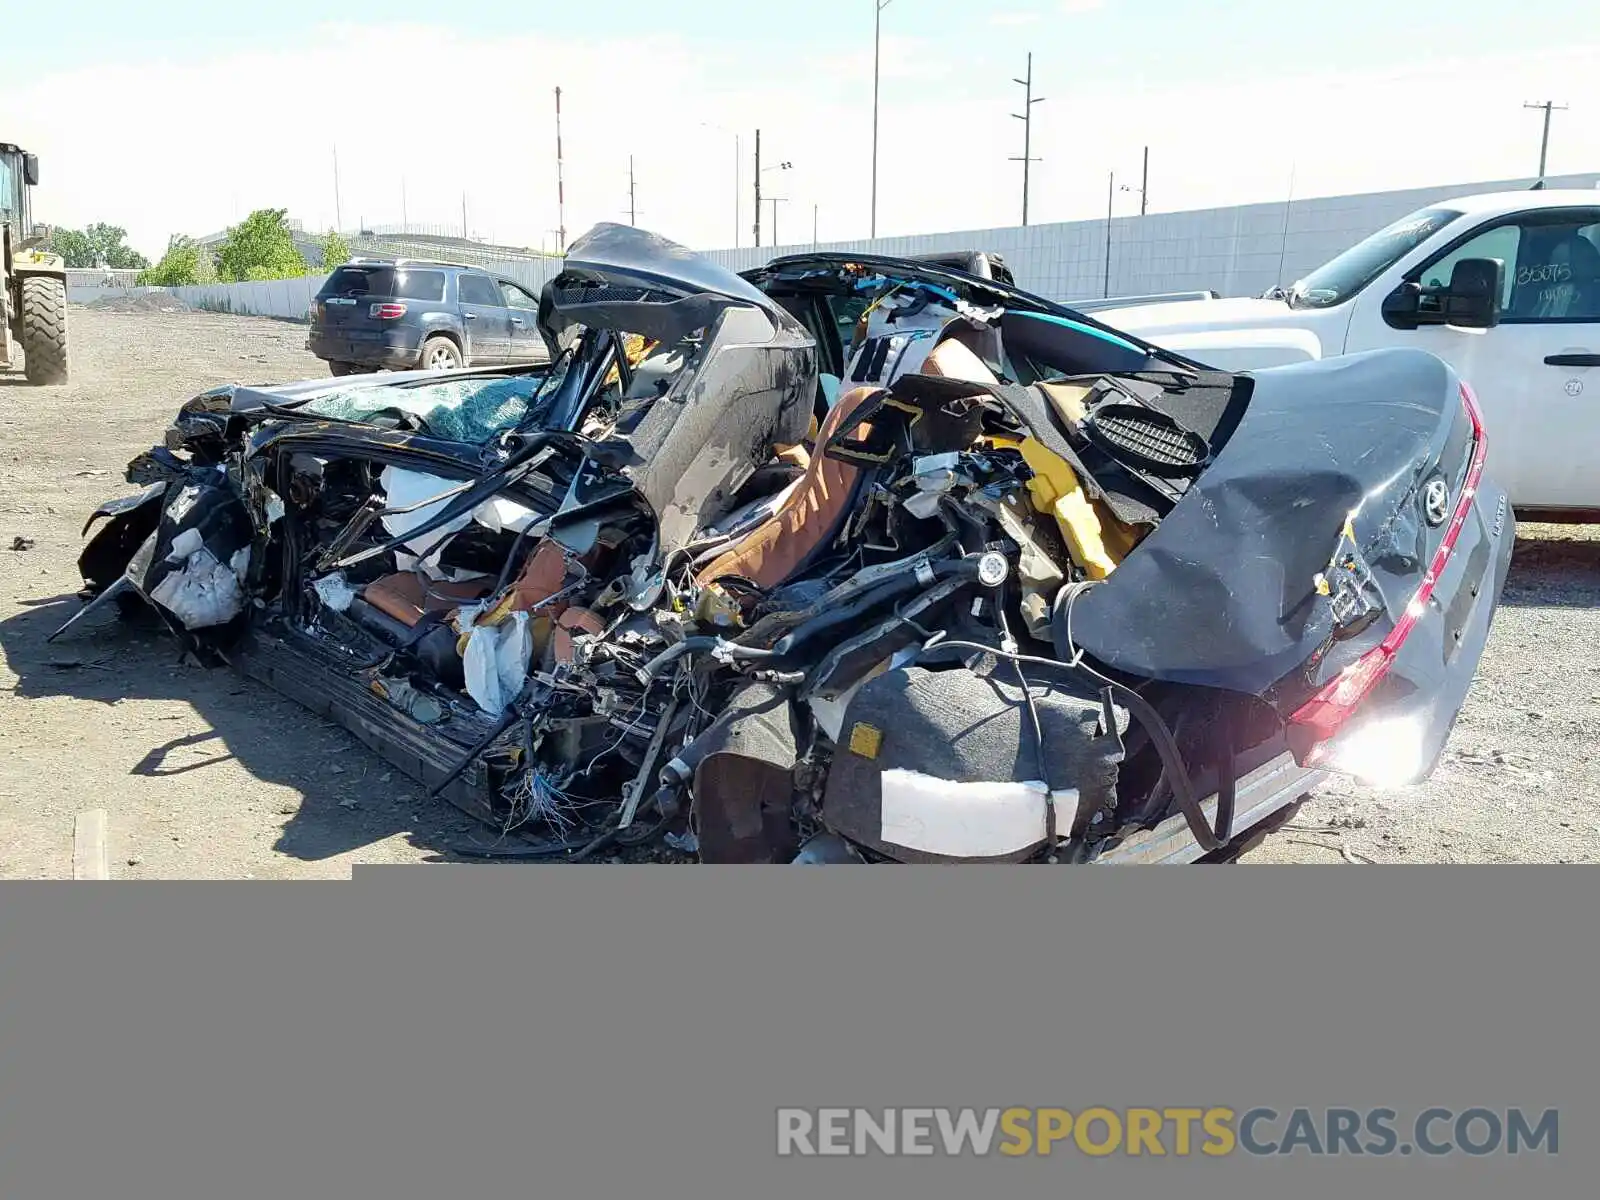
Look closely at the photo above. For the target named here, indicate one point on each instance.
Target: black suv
(407, 314)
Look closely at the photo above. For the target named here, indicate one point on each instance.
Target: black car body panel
(746, 385)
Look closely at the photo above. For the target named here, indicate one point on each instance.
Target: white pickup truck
(1503, 287)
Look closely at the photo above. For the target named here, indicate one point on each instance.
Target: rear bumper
(1268, 789)
(372, 348)
(1404, 726)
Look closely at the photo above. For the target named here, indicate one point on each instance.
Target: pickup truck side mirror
(1471, 300)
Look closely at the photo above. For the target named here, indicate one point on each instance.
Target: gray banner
(481, 1032)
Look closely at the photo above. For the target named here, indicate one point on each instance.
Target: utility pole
(779, 166)
(1144, 183)
(405, 221)
(1026, 117)
(877, 36)
(1544, 142)
(1111, 195)
(338, 216)
(633, 218)
(813, 227)
(561, 194)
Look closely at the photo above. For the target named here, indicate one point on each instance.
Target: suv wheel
(440, 354)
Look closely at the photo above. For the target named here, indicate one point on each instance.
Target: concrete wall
(1238, 251)
(288, 298)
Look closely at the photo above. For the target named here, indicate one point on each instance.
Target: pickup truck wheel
(341, 368)
(440, 354)
(44, 329)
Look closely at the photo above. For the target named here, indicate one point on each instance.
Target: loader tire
(44, 329)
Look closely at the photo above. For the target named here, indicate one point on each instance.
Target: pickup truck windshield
(1336, 281)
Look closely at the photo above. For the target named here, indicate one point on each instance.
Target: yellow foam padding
(1096, 540)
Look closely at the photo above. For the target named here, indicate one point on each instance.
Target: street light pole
(877, 37)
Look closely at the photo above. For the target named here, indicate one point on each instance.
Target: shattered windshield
(462, 410)
(1336, 281)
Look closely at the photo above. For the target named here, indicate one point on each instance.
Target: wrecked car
(848, 559)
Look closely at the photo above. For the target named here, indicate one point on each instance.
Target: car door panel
(484, 318)
(522, 307)
(1535, 373)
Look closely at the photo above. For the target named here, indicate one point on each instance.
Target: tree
(260, 247)
(335, 250)
(185, 262)
(99, 245)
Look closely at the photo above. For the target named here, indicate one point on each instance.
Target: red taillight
(1319, 719)
(387, 312)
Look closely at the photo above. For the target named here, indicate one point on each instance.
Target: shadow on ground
(1554, 570)
(348, 797)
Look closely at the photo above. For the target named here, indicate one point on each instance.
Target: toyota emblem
(1436, 501)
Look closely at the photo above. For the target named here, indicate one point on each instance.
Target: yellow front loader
(33, 281)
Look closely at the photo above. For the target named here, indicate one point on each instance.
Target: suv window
(359, 281)
(479, 289)
(1552, 266)
(419, 285)
(516, 297)
(400, 283)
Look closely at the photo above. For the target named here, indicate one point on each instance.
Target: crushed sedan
(849, 559)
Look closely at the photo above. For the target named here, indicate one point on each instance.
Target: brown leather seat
(770, 552)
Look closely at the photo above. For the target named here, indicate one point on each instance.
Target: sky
(178, 117)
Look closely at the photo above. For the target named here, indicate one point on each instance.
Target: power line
(1026, 117)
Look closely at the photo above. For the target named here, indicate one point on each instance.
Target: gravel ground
(204, 774)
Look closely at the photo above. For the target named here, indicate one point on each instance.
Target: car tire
(44, 329)
(440, 354)
(341, 368)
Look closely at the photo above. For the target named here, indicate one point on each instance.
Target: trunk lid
(1304, 542)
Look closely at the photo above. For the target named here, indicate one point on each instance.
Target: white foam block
(987, 819)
